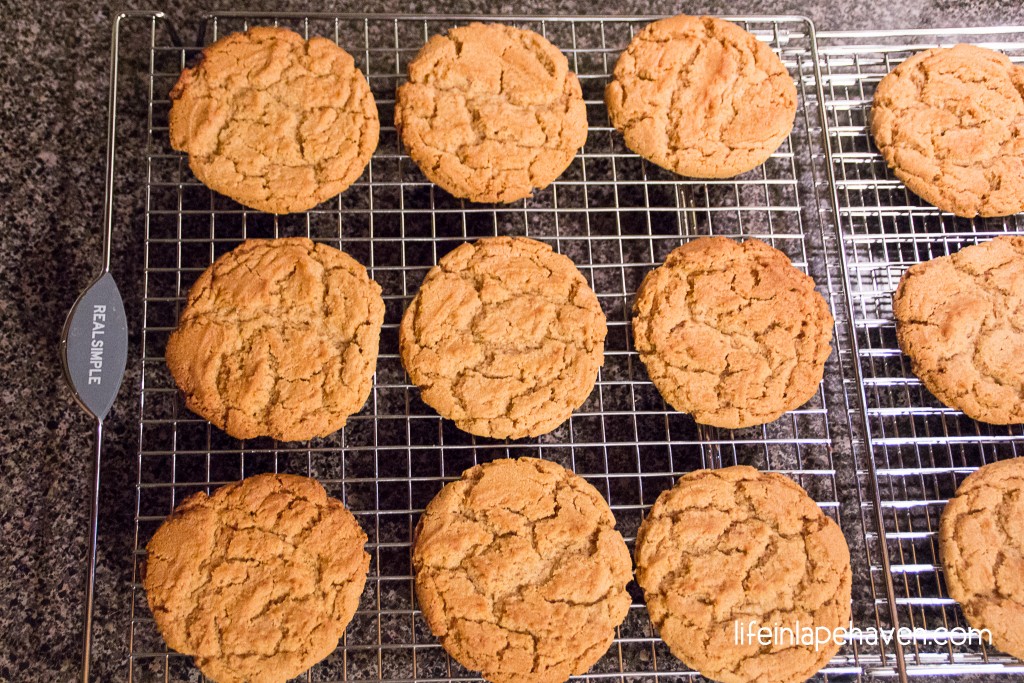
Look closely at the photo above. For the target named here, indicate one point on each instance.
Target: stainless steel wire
(918, 449)
(613, 214)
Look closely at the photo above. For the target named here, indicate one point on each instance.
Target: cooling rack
(918, 449)
(613, 214)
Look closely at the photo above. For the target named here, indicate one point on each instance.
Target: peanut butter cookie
(279, 338)
(258, 581)
(960, 319)
(731, 332)
(701, 97)
(981, 542)
(730, 547)
(505, 337)
(491, 112)
(520, 571)
(273, 121)
(950, 124)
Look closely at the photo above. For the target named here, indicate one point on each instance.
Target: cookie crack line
(278, 338)
(491, 112)
(260, 578)
(491, 352)
(273, 121)
(949, 123)
(785, 560)
(520, 572)
(731, 332)
(981, 551)
(956, 321)
(701, 97)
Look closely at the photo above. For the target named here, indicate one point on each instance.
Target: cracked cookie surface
(731, 332)
(278, 338)
(257, 581)
(950, 124)
(275, 122)
(736, 544)
(960, 319)
(701, 97)
(505, 337)
(981, 541)
(520, 571)
(491, 112)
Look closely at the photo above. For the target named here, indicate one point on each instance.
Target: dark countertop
(52, 134)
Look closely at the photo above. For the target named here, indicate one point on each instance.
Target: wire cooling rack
(613, 214)
(920, 449)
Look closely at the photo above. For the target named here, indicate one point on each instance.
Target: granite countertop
(52, 134)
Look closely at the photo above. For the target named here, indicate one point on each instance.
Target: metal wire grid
(921, 450)
(614, 215)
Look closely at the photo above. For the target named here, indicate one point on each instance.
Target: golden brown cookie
(491, 112)
(981, 541)
(701, 97)
(520, 571)
(731, 332)
(505, 337)
(273, 121)
(959, 319)
(724, 548)
(258, 581)
(950, 124)
(278, 338)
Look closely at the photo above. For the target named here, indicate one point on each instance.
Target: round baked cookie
(273, 121)
(730, 548)
(258, 581)
(958, 318)
(981, 542)
(950, 124)
(731, 332)
(505, 337)
(278, 338)
(491, 112)
(520, 571)
(701, 97)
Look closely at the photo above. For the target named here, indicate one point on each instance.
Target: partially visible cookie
(981, 541)
(950, 124)
(273, 121)
(505, 337)
(724, 548)
(278, 338)
(701, 97)
(520, 571)
(257, 581)
(491, 112)
(731, 332)
(958, 318)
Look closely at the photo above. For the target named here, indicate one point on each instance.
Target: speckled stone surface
(53, 71)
